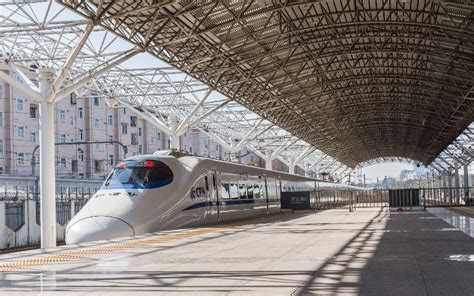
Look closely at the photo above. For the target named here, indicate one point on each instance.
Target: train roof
(185, 157)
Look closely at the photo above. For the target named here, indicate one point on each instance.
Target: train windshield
(139, 174)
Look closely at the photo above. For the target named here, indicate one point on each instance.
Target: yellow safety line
(67, 256)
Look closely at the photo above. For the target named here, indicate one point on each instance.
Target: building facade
(90, 135)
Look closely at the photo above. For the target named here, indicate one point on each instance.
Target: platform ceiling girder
(306, 65)
(30, 40)
(459, 153)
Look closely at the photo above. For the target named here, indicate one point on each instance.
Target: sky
(391, 169)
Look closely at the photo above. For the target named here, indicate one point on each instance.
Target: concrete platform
(334, 252)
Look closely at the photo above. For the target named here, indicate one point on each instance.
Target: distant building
(406, 175)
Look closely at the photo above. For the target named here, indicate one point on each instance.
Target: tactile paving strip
(67, 256)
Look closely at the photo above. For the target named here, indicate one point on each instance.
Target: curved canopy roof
(358, 79)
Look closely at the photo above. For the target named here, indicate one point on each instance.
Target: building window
(20, 132)
(33, 137)
(80, 155)
(1, 170)
(158, 136)
(63, 162)
(139, 131)
(96, 123)
(20, 105)
(152, 140)
(62, 138)
(133, 121)
(97, 146)
(140, 149)
(20, 158)
(80, 112)
(124, 128)
(110, 119)
(96, 99)
(111, 159)
(98, 166)
(124, 111)
(134, 138)
(74, 166)
(73, 98)
(81, 134)
(1, 146)
(1, 90)
(62, 115)
(33, 111)
(1, 119)
(111, 138)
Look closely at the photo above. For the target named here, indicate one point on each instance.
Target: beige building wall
(78, 119)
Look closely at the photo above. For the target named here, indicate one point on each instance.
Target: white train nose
(97, 228)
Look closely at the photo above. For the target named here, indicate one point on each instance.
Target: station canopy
(358, 79)
(45, 34)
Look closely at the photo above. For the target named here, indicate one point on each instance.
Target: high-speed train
(162, 191)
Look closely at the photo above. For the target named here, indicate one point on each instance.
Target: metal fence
(447, 196)
(16, 192)
(27, 188)
(416, 197)
(371, 198)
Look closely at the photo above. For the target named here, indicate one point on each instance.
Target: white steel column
(47, 162)
(306, 169)
(466, 181)
(457, 184)
(235, 152)
(268, 159)
(174, 123)
(291, 166)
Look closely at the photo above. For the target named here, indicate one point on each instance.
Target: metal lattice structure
(357, 79)
(458, 154)
(44, 35)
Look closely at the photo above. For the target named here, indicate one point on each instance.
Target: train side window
(207, 184)
(233, 187)
(261, 185)
(225, 187)
(250, 189)
(234, 191)
(242, 191)
(225, 190)
(256, 191)
(242, 187)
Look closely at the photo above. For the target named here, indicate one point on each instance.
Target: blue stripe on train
(228, 203)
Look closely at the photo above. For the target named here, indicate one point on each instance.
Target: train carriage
(149, 193)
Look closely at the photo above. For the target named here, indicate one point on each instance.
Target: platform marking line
(68, 256)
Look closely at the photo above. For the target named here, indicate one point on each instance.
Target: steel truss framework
(358, 79)
(458, 154)
(46, 35)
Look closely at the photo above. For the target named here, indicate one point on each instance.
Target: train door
(213, 205)
(279, 188)
(266, 192)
